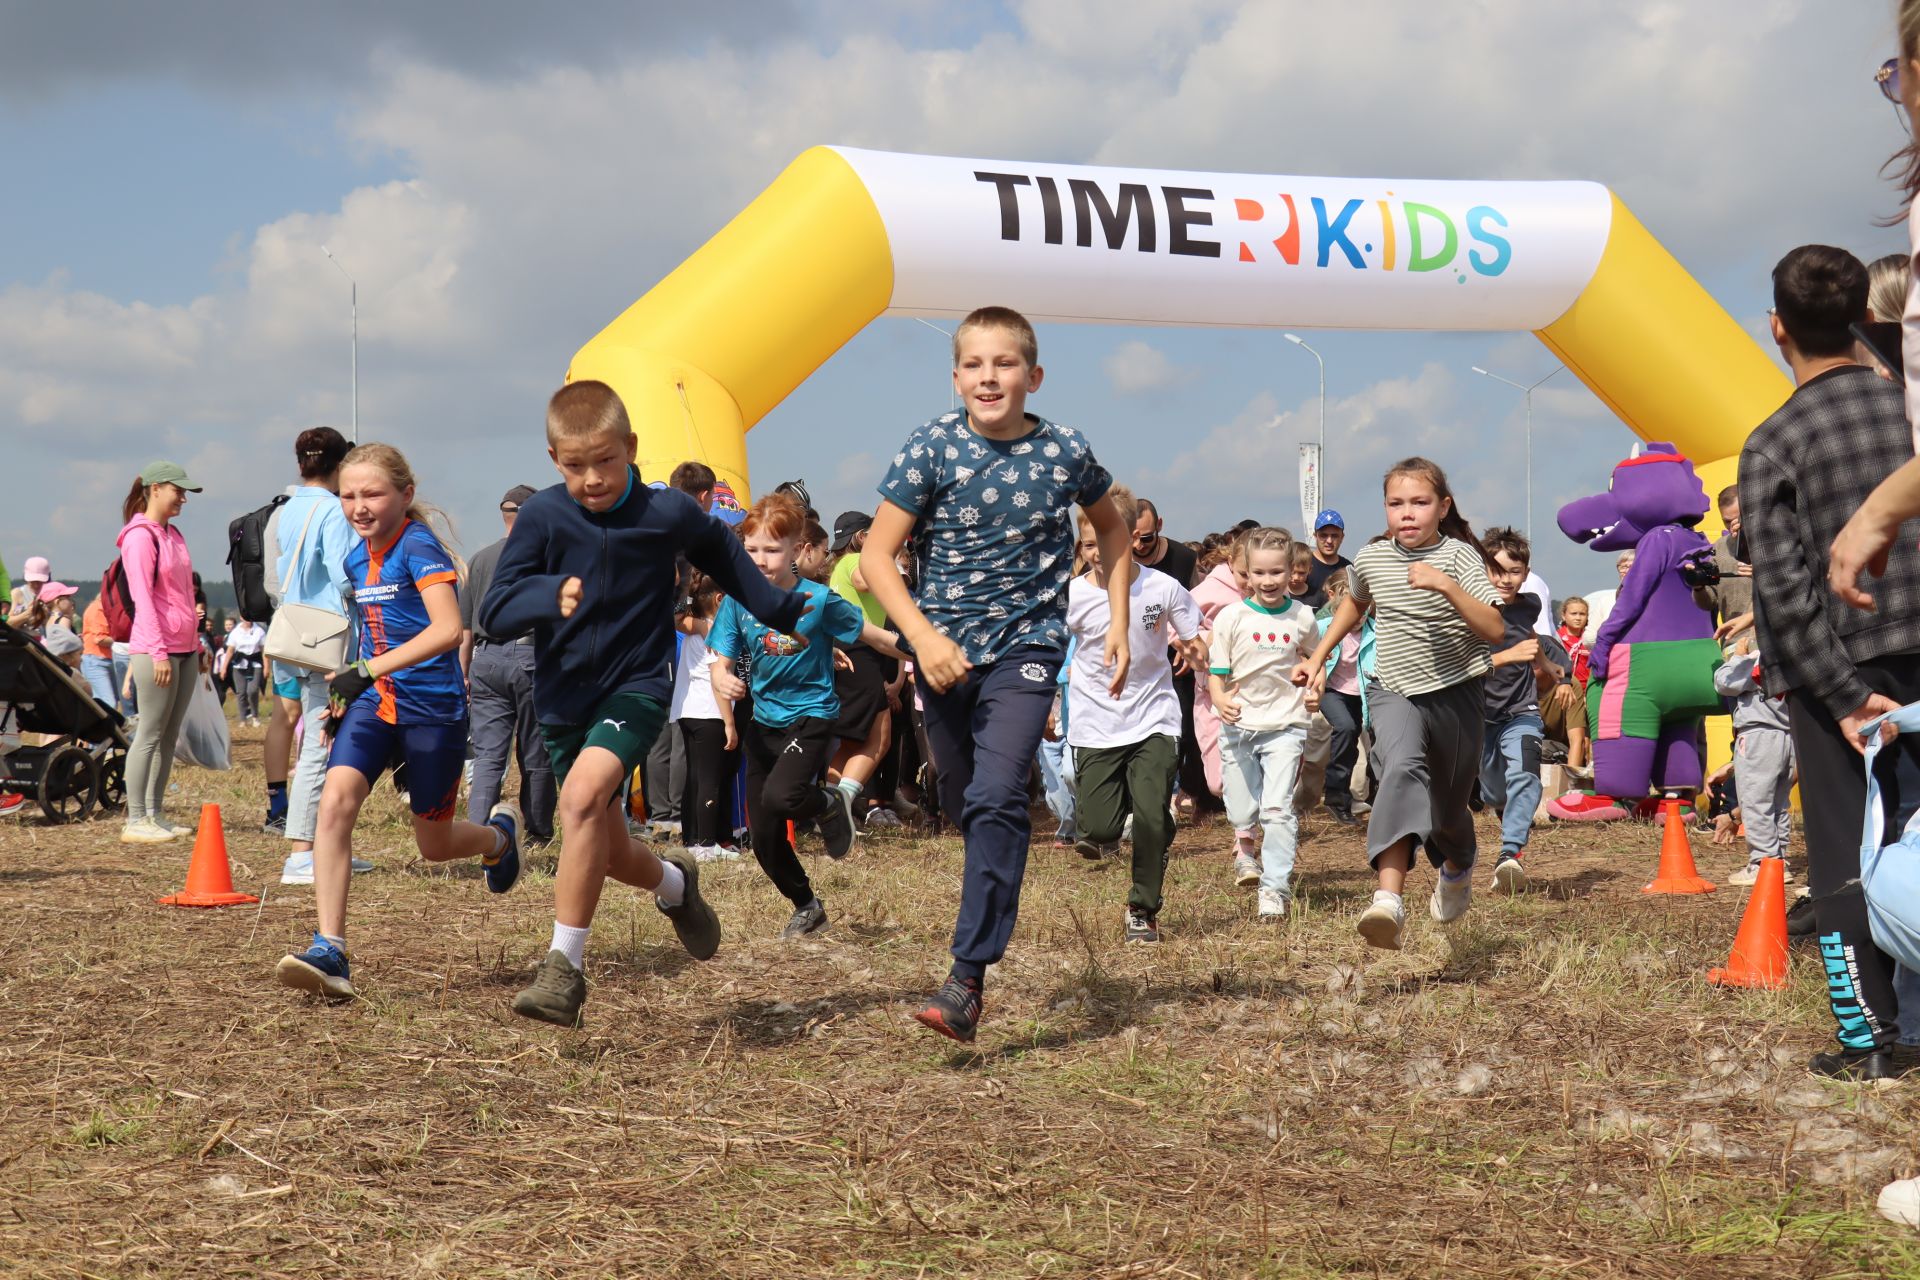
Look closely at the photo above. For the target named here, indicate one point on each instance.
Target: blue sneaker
(321, 969)
(503, 871)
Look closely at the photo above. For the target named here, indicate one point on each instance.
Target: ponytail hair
(391, 461)
(1452, 524)
(136, 500)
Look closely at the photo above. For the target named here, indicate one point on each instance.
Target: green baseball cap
(167, 473)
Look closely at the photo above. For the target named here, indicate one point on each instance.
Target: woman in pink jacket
(165, 645)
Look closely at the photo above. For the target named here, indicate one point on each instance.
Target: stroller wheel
(69, 784)
(113, 780)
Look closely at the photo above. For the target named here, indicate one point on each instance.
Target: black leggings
(706, 798)
(1833, 790)
(784, 767)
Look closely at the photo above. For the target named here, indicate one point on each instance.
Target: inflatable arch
(844, 236)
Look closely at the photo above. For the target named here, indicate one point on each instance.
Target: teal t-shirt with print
(791, 673)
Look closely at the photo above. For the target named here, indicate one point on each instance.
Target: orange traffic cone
(209, 877)
(1759, 957)
(1677, 873)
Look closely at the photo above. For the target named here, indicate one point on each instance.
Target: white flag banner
(1309, 488)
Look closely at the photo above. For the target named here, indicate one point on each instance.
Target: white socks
(672, 889)
(571, 943)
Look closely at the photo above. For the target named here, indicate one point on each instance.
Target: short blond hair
(584, 409)
(1124, 504)
(1000, 318)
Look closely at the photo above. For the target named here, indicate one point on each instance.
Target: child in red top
(1573, 622)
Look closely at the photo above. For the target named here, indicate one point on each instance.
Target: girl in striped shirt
(1435, 616)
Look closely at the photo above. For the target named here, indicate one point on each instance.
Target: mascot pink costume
(1654, 657)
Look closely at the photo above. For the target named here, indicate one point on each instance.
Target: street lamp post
(1526, 394)
(1300, 342)
(353, 310)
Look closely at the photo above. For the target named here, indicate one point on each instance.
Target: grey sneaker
(1384, 921)
(836, 823)
(1141, 927)
(693, 920)
(557, 992)
(1451, 898)
(1246, 870)
(805, 920)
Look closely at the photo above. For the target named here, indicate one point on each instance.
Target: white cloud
(542, 199)
(1136, 367)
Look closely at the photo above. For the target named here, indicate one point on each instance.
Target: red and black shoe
(11, 802)
(954, 1010)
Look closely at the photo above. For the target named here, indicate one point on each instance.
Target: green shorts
(1653, 684)
(626, 724)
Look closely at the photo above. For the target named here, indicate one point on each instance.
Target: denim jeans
(1260, 768)
(129, 704)
(1056, 772)
(984, 733)
(99, 676)
(1510, 776)
(310, 768)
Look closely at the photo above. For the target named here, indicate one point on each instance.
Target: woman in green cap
(164, 644)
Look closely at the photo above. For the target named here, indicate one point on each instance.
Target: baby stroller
(83, 758)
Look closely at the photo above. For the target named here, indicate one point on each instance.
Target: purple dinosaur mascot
(1654, 657)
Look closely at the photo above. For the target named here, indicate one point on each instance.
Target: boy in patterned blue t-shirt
(986, 495)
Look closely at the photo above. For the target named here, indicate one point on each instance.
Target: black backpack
(247, 557)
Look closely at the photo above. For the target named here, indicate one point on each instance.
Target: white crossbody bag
(305, 635)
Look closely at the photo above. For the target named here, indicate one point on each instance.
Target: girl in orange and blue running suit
(1435, 616)
(403, 701)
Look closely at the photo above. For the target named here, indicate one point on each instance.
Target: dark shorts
(862, 693)
(435, 756)
(626, 724)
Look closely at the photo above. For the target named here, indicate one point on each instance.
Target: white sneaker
(1751, 872)
(1384, 921)
(1273, 905)
(1451, 898)
(298, 868)
(1126, 830)
(173, 828)
(1246, 870)
(1509, 876)
(145, 831)
(702, 852)
(1900, 1202)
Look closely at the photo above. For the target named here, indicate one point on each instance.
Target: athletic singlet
(386, 597)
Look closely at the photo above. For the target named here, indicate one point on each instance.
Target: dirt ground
(1548, 1088)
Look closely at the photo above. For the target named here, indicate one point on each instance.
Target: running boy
(590, 570)
(1126, 749)
(1510, 755)
(984, 493)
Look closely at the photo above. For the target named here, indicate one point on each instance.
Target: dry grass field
(1547, 1088)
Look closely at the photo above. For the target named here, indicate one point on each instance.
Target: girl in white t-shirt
(706, 731)
(1126, 749)
(1264, 714)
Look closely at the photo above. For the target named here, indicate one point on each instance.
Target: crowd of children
(1006, 607)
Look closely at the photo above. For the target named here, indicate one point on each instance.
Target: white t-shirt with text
(1161, 610)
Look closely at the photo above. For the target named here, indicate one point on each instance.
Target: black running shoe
(1800, 923)
(1852, 1064)
(954, 1010)
(836, 824)
(805, 920)
(1097, 850)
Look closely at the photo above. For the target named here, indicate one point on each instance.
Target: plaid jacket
(1803, 473)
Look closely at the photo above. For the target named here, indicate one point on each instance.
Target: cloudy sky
(504, 179)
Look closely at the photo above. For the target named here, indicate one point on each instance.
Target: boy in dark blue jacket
(590, 570)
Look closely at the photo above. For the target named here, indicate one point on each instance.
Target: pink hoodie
(164, 621)
(1215, 592)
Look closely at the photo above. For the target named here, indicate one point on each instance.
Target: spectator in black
(500, 700)
(1329, 531)
(1803, 472)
